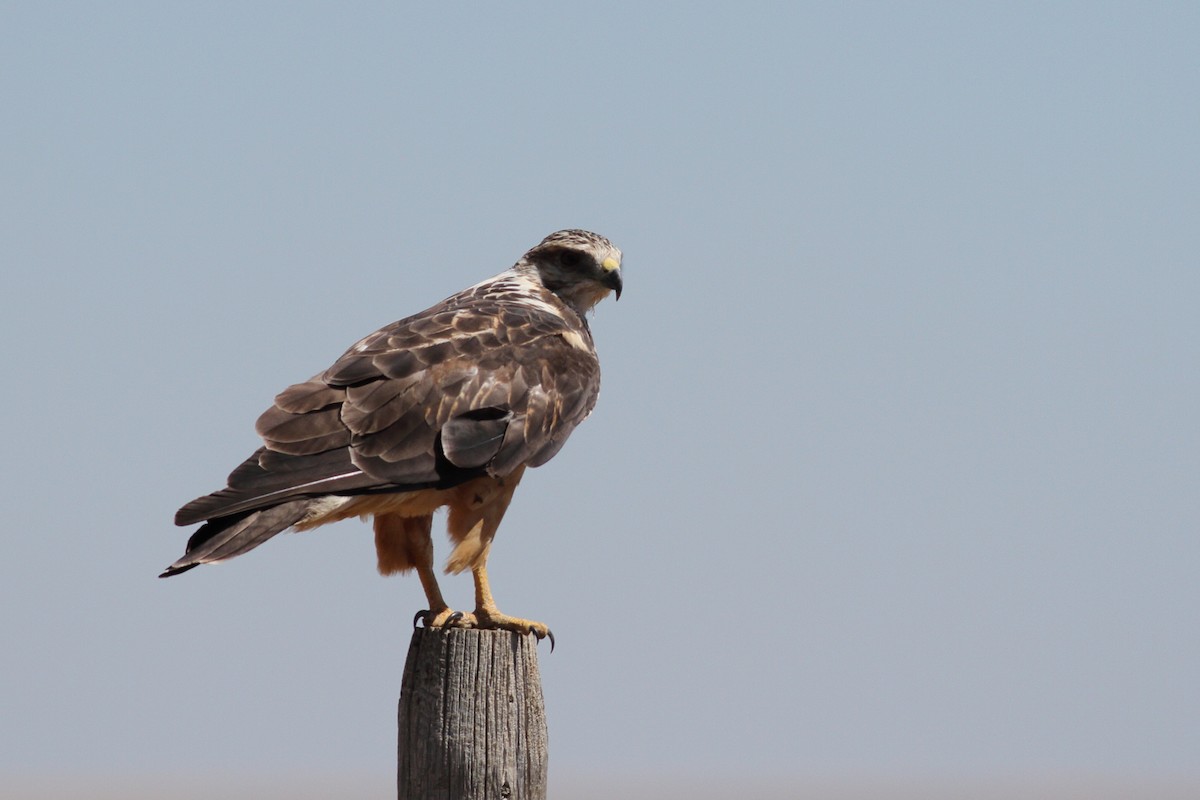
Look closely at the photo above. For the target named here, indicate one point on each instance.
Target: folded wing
(481, 383)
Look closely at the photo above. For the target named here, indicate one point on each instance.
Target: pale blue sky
(894, 471)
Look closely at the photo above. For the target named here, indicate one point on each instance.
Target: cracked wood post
(472, 723)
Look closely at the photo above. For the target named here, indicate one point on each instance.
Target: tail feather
(225, 537)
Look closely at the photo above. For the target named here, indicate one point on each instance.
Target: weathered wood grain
(472, 721)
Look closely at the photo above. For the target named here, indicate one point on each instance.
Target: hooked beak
(612, 275)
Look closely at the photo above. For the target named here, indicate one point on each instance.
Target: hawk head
(580, 267)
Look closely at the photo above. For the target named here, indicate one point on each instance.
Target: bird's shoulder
(491, 320)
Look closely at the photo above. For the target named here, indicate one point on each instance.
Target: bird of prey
(446, 408)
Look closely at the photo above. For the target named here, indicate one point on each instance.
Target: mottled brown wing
(473, 385)
(463, 391)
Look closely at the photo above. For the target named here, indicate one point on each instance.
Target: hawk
(446, 408)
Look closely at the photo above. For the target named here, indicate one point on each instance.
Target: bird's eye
(572, 259)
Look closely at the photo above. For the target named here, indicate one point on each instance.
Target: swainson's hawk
(444, 408)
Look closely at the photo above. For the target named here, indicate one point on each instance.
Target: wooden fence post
(472, 722)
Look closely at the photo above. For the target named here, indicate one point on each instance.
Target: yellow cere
(610, 264)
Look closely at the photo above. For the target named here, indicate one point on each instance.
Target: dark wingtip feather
(225, 537)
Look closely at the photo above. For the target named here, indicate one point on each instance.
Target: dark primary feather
(271, 477)
(231, 536)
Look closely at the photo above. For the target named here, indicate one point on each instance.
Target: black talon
(422, 616)
(549, 635)
(453, 618)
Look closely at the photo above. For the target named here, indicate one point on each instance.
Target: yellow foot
(444, 618)
(492, 619)
(485, 619)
